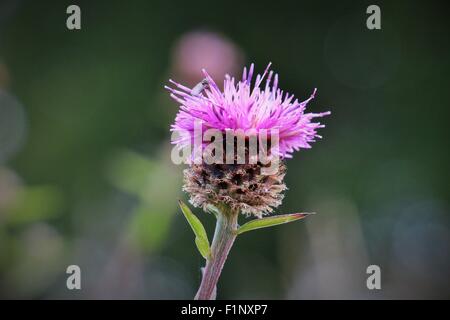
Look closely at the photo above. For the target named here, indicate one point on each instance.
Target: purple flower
(241, 106)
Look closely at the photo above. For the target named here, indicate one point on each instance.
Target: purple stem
(223, 240)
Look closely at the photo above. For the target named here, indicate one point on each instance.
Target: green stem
(223, 240)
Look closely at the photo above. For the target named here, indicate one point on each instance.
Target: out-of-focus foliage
(153, 183)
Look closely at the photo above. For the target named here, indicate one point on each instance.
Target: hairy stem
(224, 236)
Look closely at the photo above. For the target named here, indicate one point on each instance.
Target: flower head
(255, 110)
(241, 106)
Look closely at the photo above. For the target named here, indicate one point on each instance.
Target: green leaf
(203, 247)
(271, 221)
(201, 238)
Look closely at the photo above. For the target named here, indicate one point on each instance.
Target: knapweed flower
(256, 110)
(252, 129)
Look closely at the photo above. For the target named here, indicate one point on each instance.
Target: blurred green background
(85, 170)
